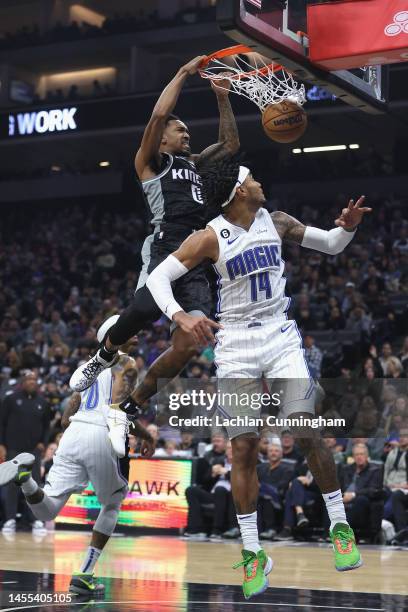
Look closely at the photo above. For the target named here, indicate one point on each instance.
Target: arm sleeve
(159, 284)
(331, 242)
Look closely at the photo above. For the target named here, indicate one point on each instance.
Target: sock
(88, 564)
(249, 531)
(106, 354)
(29, 487)
(335, 508)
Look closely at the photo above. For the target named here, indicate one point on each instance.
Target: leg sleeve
(48, 508)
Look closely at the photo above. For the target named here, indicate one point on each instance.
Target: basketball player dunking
(85, 455)
(257, 340)
(167, 169)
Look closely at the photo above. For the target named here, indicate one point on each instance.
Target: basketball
(284, 122)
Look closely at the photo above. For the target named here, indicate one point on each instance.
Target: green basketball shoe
(17, 469)
(346, 553)
(256, 569)
(85, 584)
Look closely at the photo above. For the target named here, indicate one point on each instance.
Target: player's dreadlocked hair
(219, 177)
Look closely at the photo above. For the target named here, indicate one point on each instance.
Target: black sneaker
(85, 584)
(215, 536)
(268, 534)
(285, 535)
(301, 521)
(231, 534)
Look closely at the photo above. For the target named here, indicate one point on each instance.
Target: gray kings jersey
(174, 195)
(249, 270)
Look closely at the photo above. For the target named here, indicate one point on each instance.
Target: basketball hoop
(262, 83)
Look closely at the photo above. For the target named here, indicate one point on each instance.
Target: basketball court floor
(167, 574)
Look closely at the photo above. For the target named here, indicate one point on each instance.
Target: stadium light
(322, 149)
(327, 148)
(104, 164)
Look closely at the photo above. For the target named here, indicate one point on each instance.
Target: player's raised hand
(352, 215)
(193, 65)
(200, 328)
(221, 86)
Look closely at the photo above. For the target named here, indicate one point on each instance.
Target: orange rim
(236, 50)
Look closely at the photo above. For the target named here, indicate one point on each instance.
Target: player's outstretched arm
(228, 137)
(330, 242)
(198, 247)
(148, 153)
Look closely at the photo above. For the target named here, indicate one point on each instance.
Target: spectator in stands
(302, 490)
(263, 448)
(349, 297)
(47, 460)
(361, 482)
(336, 320)
(171, 449)
(396, 481)
(188, 444)
(24, 427)
(274, 478)
(332, 444)
(289, 449)
(359, 322)
(218, 448)
(313, 356)
(393, 368)
(403, 356)
(133, 449)
(401, 244)
(219, 496)
(386, 353)
(373, 278)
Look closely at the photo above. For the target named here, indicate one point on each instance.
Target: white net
(262, 83)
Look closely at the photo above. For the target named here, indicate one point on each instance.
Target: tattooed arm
(125, 378)
(228, 137)
(331, 242)
(72, 407)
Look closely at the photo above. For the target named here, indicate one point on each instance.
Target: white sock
(92, 555)
(29, 487)
(335, 508)
(249, 531)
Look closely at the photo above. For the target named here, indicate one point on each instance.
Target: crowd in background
(118, 23)
(364, 163)
(71, 265)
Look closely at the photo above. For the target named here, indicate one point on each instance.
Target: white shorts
(247, 353)
(84, 455)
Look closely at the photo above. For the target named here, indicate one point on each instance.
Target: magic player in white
(256, 339)
(85, 454)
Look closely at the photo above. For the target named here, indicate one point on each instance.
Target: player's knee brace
(48, 508)
(108, 515)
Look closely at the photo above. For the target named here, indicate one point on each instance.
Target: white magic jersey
(95, 400)
(249, 270)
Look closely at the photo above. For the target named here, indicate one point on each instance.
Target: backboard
(278, 30)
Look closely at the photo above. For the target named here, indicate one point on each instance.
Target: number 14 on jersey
(260, 282)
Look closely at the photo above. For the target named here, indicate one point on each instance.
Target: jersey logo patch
(225, 233)
(234, 239)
